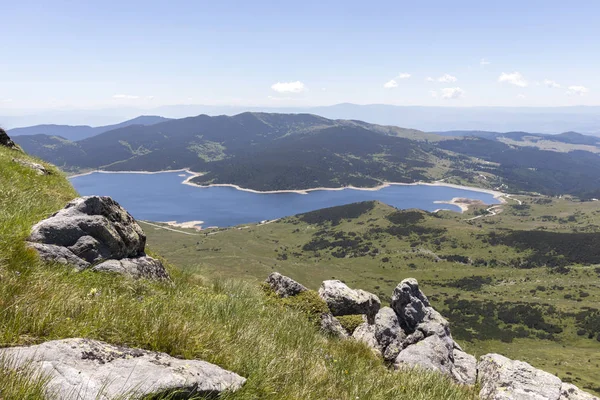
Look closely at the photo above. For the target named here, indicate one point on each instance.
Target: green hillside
(228, 322)
(524, 282)
(264, 151)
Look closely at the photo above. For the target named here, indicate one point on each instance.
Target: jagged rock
(501, 378)
(92, 230)
(284, 286)
(465, 368)
(342, 300)
(572, 392)
(365, 333)
(141, 267)
(331, 326)
(414, 311)
(432, 353)
(6, 141)
(38, 168)
(388, 333)
(82, 369)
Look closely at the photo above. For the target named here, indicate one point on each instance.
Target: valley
(522, 282)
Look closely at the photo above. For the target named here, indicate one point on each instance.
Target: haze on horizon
(144, 55)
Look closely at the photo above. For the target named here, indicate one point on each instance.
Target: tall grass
(230, 323)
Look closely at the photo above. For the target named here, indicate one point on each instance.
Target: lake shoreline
(495, 193)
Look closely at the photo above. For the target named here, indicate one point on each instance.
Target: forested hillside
(301, 151)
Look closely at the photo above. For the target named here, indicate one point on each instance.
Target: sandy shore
(497, 194)
(186, 224)
(461, 202)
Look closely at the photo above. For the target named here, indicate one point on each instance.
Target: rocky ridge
(410, 333)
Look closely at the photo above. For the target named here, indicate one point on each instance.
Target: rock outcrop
(412, 334)
(342, 300)
(96, 232)
(83, 369)
(38, 168)
(6, 141)
(284, 286)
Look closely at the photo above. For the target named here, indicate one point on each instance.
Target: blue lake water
(163, 197)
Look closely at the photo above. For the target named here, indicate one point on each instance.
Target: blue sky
(68, 54)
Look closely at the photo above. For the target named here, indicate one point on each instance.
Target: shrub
(350, 322)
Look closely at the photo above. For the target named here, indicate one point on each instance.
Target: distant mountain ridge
(264, 151)
(80, 132)
(584, 119)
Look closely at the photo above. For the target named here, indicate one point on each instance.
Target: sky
(92, 55)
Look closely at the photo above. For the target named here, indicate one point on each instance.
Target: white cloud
(125, 97)
(7, 101)
(289, 87)
(390, 84)
(484, 62)
(514, 78)
(393, 83)
(429, 79)
(551, 84)
(447, 78)
(433, 93)
(452, 93)
(577, 90)
(150, 97)
(521, 96)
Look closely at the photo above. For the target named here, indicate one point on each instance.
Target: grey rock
(389, 334)
(415, 312)
(432, 353)
(501, 378)
(342, 300)
(572, 392)
(38, 168)
(284, 286)
(91, 231)
(140, 267)
(6, 141)
(365, 333)
(331, 326)
(410, 304)
(82, 369)
(465, 368)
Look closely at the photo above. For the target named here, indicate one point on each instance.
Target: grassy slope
(254, 251)
(230, 323)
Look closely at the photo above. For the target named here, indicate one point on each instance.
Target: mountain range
(81, 132)
(584, 119)
(299, 151)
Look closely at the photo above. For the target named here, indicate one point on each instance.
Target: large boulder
(342, 300)
(91, 231)
(82, 369)
(284, 286)
(6, 141)
(501, 378)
